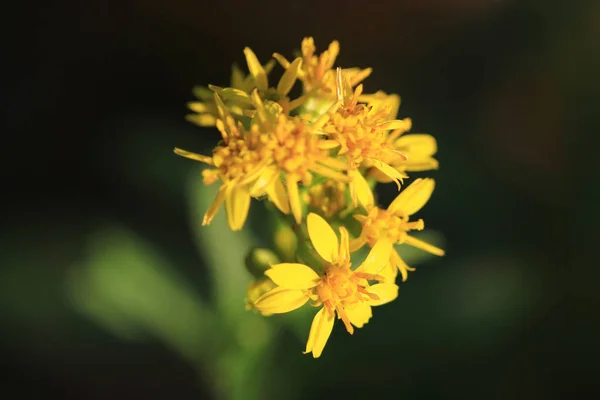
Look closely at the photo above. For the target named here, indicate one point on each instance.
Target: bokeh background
(110, 289)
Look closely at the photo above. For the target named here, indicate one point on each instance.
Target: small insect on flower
(360, 132)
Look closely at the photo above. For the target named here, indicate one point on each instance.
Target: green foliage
(130, 290)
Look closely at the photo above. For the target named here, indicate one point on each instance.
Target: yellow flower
(237, 97)
(317, 72)
(338, 289)
(237, 164)
(277, 95)
(205, 110)
(251, 163)
(296, 153)
(418, 149)
(361, 132)
(380, 100)
(393, 225)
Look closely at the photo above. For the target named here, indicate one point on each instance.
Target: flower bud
(259, 260)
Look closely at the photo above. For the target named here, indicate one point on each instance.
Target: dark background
(94, 101)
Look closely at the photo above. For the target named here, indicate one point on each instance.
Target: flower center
(293, 148)
(341, 287)
(358, 134)
(381, 223)
(233, 161)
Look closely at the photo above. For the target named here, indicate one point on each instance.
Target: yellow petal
(360, 190)
(379, 176)
(224, 130)
(327, 144)
(389, 171)
(419, 244)
(333, 51)
(214, 206)
(393, 124)
(393, 102)
(329, 173)
(297, 102)
(289, 77)
(202, 93)
(251, 176)
(293, 276)
(249, 82)
(308, 46)
(417, 145)
(223, 110)
(385, 291)
(268, 67)
(360, 314)
(277, 194)
(205, 120)
(360, 76)
(357, 92)
(398, 264)
(326, 116)
(378, 257)
(320, 329)
(393, 157)
(266, 178)
(256, 69)
(194, 156)
(418, 164)
(237, 204)
(199, 107)
(344, 244)
(356, 244)
(389, 272)
(280, 300)
(227, 94)
(237, 77)
(263, 116)
(413, 197)
(294, 197)
(322, 237)
(281, 60)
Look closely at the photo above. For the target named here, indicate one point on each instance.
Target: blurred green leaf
(127, 288)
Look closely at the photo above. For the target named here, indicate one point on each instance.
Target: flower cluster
(316, 157)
